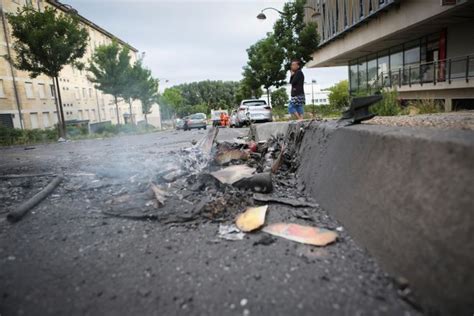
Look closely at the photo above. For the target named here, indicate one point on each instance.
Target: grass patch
(424, 106)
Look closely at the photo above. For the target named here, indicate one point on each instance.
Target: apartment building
(422, 48)
(33, 100)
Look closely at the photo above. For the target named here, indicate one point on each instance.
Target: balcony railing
(447, 70)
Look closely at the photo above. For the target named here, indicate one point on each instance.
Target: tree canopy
(110, 69)
(298, 39)
(265, 63)
(201, 96)
(339, 95)
(46, 41)
(279, 98)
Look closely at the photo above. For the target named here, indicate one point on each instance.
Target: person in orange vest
(222, 118)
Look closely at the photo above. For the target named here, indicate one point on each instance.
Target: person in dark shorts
(298, 99)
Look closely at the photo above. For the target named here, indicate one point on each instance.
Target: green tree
(173, 98)
(298, 39)
(110, 68)
(279, 98)
(216, 94)
(44, 42)
(147, 90)
(264, 65)
(249, 87)
(339, 95)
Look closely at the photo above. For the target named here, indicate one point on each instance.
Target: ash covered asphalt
(67, 257)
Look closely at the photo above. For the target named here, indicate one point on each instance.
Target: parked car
(198, 120)
(179, 123)
(253, 110)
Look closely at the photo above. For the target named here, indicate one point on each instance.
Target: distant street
(69, 258)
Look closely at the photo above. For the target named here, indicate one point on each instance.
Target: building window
(353, 77)
(41, 91)
(84, 93)
(383, 70)
(412, 60)
(34, 120)
(46, 122)
(78, 93)
(362, 75)
(2, 89)
(52, 91)
(361, 8)
(372, 78)
(396, 66)
(90, 92)
(29, 90)
(80, 115)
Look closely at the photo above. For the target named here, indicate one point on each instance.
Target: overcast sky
(192, 40)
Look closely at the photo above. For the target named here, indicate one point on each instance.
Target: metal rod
(449, 71)
(467, 69)
(409, 76)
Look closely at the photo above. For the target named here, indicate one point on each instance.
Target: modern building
(30, 103)
(313, 93)
(422, 48)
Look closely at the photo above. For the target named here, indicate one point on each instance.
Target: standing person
(298, 99)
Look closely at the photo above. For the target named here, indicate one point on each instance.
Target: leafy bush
(389, 105)
(15, 136)
(74, 130)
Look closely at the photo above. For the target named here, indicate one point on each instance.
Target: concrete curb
(406, 194)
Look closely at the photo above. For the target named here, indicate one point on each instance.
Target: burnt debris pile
(211, 181)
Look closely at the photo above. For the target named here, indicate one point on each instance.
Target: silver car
(253, 110)
(198, 120)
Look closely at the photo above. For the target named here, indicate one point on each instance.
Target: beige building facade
(35, 98)
(422, 48)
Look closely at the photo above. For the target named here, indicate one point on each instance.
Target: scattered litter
(286, 201)
(230, 232)
(206, 143)
(279, 161)
(29, 148)
(232, 174)
(61, 140)
(252, 219)
(160, 194)
(302, 234)
(340, 229)
(265, 240)
(227, 156)
(260, 182)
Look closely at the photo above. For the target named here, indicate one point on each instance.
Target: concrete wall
(460, 39)
(406, 194)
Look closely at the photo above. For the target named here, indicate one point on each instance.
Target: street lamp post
(312, 92)
(262, 16)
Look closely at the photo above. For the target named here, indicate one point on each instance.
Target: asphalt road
(68, 258)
